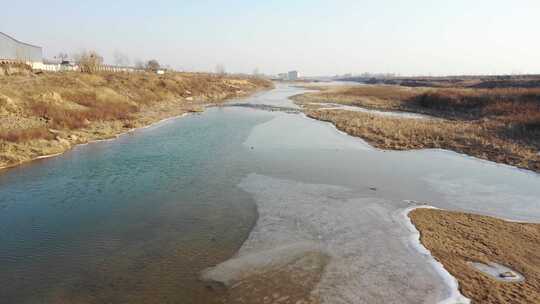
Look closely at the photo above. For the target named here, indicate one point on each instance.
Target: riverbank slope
(47, 114)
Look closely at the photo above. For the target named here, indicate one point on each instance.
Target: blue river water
(136, 219)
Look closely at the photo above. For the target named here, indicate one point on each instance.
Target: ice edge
(455, 296)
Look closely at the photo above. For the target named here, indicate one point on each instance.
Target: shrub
(89, 61)
(481, 103)
(26, 134)
(74, 119)
(152, 65)
(450, 100)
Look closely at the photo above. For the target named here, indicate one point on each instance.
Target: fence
(52, 67)
(114, 68)
(57, 67)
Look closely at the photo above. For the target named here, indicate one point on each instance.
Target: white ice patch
(455, 296)
(370, 260)
(239, 268)
(335, 106)
(279, 97)
(286, 131)
(496, 199)
(498, 272)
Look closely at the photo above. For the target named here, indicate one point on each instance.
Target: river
(136, 219)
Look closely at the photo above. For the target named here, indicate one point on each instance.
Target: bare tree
(88, 61)
(62, 56)
(152, 65)
(139, 64)
(220, 69)
(121, 59)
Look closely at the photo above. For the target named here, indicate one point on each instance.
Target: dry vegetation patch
(404, 134)
(456, 238)
(375, 97)
(48, 109)
(26, 134)
(501, 125)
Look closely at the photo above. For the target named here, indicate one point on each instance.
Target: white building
(12, 49)
(293, 75)
(283, 76)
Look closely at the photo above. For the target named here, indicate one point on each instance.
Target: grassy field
(48, 113)
(501, 125)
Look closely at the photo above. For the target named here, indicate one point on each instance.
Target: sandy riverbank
(496, 125)
(458, 239)
(46, 115)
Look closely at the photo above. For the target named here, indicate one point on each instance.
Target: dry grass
(501, 125)
(375, 97)
(74, 119)
(474, 138)
(79, 107)
(463, 81)
(477, 103)
(456, 103)
(456, 238)
(378, 92)
(73, 100)
(26, 134)
(513, 114)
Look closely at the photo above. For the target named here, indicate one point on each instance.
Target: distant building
(15, 50)
(293, 75)
(283, 76)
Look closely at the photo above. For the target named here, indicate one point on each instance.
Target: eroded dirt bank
(47, 114)
(458, 239)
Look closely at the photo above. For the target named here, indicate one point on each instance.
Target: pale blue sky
(316, 37)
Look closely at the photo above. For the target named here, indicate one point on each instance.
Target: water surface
(137, 219)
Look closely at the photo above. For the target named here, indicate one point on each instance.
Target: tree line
(91, 61)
